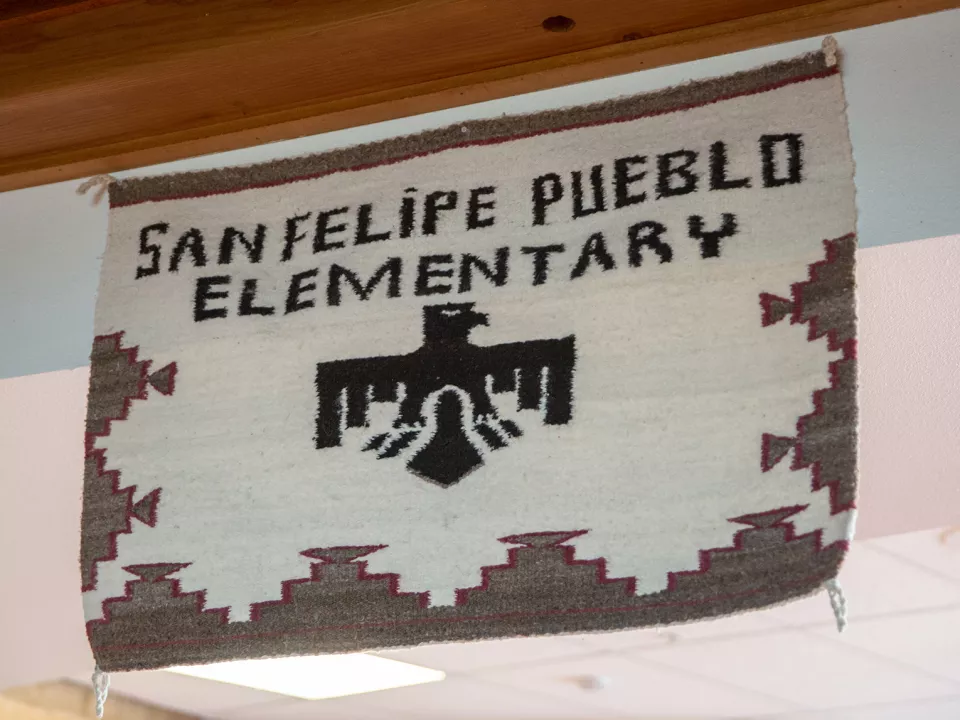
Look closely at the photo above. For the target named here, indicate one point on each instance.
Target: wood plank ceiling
(101, 85)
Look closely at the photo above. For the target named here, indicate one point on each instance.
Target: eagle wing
(520, 366)
(355, 382)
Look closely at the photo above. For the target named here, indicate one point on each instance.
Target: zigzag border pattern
(144, 509)
(774, 308)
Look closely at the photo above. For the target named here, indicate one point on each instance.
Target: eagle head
(450, 322)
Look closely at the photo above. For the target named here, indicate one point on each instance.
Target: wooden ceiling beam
(96, 86)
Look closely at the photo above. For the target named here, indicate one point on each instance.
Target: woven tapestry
(581, 370)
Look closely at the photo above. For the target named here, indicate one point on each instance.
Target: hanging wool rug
(580, 370)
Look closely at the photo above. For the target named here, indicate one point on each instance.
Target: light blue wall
(51, 241)
(903, 88)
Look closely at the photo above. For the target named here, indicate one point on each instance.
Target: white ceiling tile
(926, 640)
(623, 639)
(465, 657)
(460, 698)
(939, 709)
(937, 550)
(638, 689)
(874, 583)
(183, 693)
(746, 624)
(813, 610)
(805, 669)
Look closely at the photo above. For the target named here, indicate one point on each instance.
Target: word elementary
(553, 197)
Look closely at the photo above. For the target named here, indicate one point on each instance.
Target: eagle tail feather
(398, 443)
(376, 441)
(489, 435)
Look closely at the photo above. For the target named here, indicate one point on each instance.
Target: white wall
(903, 88)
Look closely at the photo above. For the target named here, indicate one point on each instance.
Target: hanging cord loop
(101, 688)
(831, 51)
(100, 182)
(838, 602)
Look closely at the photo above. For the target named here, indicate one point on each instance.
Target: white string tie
(830, 50)
(838, 602)
(100, 182)
(101, 688)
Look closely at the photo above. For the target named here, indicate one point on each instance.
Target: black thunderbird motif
(446, 418)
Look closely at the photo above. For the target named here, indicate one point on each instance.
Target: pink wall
(910, 386)
(41, 476)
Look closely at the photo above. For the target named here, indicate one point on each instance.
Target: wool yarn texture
(581, 370)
